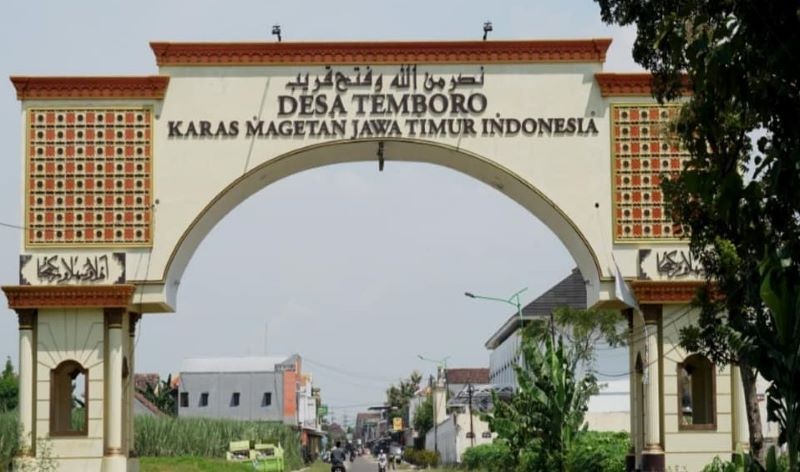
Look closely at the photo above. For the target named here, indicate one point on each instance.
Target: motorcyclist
(338, 458)
(382, 461)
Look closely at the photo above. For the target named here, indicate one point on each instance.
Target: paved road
(363, 464)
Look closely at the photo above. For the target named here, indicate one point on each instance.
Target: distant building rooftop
(233, 364)
(466, 376)
(570, 292)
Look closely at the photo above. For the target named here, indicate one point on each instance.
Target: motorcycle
(338, 468)
(382, 463)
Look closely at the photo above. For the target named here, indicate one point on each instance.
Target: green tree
(542, 419)
(162, 395)
(739, 196)
(398, 396)
(423, 416)
(583, 330)
(9, 388)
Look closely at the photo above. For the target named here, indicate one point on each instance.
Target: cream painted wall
(690, 450)
(71, 334)
(563, 180)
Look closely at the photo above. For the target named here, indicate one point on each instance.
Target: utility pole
(470, 389)
(435, 426)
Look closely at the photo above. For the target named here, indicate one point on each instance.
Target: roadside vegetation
(9, 437)
(190, 464)
(209, 438)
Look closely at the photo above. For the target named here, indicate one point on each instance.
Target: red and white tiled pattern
(643, 153)
(88, 177)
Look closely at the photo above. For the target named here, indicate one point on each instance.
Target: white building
(458, 425)
(609, 410)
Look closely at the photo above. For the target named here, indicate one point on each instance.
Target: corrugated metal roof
(232, 364)
(570, 292)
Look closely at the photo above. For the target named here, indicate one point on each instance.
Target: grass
(190, 464)
(209, 438)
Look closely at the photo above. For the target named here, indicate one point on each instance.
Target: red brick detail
(63, 296)
(657, 292)
(88, 177)
(628, 84)
(416, 52)
(79, 88)
(644, 150)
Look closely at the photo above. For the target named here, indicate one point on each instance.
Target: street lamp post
(513, 300)
(440, 363)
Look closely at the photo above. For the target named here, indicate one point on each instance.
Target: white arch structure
(395, 150)
(125, 176)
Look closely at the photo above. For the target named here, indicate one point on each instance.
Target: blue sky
(357, 271)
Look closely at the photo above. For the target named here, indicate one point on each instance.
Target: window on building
(204, 399)
(69, 391)
(184, 399)
(235, 399)
(266, 400)
(697, 393)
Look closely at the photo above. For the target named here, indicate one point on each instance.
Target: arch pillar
(631, 459)
(133, 319)
(114, 458)
(652, 453)
(92, 320)
(27, 384)
(653, 459)
(741, 433)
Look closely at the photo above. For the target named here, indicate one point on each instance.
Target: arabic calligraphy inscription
(61, 269)
(668, 264)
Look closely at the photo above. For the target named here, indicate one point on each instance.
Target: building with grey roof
(243, 388)
(609, 409)
(504, 343)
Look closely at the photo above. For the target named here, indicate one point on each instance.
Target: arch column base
(630, 459)
(114, 463)
(653, 459)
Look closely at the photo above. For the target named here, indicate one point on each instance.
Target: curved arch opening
(394, 150)
(69, 394)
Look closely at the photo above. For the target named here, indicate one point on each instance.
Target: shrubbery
(9, 437)
(495, 457)
(598, 451)
(203, 437)
(774, 463)
(421, 457)
(591, 451)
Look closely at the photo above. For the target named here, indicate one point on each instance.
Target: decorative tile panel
(642, 153)
(88, 177)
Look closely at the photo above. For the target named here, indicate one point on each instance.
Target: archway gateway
(124, 177)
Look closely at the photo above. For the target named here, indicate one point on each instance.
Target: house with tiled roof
(141, 405)
(457, 379)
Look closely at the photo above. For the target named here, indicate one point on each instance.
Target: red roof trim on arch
(380, 52)
(152, 87)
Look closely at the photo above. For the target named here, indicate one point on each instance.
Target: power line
(341, 371)
(12, 226)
